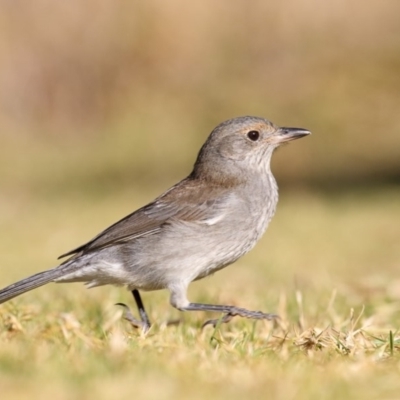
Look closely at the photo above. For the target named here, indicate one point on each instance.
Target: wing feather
(189, 200)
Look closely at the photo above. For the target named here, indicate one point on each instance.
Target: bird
(200, 225)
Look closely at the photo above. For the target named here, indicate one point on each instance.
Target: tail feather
(27, 284)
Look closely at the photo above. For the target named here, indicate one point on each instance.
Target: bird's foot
(214, 322)
(143, 325)
(230, 312)
(227, 317)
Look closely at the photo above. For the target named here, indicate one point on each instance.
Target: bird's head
(241, 146)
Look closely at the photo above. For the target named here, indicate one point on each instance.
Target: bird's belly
(186, 254)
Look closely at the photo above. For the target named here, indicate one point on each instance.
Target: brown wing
(186, 201)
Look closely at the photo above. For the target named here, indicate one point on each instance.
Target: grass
(328, 266)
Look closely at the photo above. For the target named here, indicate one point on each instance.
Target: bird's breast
(241, 228)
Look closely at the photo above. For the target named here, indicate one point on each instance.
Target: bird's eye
(253, 135)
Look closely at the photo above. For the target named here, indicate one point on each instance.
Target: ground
(329, 265)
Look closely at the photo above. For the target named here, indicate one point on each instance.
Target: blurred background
(108, 94)
(103, 105)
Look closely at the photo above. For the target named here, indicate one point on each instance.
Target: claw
(224, 320)
(130, 318)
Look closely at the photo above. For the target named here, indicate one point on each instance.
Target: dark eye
(253, 135)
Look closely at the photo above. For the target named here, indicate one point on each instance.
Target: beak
(288, 134)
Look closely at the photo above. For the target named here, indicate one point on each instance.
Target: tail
(30, 283)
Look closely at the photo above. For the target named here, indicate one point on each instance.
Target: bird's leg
(179, 300)
(144, 322)
(142, 312)
(229, 311)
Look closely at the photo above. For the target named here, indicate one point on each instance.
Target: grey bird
(197, 227)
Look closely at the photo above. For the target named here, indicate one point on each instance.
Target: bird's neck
(217, 176)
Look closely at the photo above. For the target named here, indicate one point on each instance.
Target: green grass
(328, 265)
